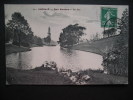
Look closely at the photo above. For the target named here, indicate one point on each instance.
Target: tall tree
(19, 26)
(71, 35)
(8, 34)
(37, 40)
(109, 32)
(124, 26)
(116, 60)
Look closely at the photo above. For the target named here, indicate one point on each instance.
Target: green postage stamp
(108, 16)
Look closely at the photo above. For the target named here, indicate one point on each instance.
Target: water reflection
(66, 51)
(66, 58)
(20, 61)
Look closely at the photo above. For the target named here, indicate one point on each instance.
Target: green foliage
(71, 35)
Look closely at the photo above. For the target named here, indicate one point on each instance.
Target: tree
(116, 60)
(8, 34)
(95, 37)
(109, 32)
(71, 35)
(37, 40)
(124, 26)
(47, 39)
(20, 28)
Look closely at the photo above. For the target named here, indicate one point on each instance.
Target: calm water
(68, 59)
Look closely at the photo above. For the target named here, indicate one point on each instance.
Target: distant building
(48, 38)
(49, 33)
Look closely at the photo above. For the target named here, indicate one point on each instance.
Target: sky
(59, 16)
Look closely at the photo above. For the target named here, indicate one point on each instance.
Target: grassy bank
(35, 45)
(98, 46)
(50, 77)
(97, 77)
(101, 47)
(14, 49)
(88, 48)
(52, 43)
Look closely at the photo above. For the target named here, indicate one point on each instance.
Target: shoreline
(85, 50)
(36, 77)
(100, 46)
(90, 50)
(46, 76)
(86, 47)
(15, 49)
(32, 76)
(49, 45)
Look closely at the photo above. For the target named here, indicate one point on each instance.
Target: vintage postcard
(66, 44)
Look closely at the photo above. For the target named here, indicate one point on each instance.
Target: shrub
(116, 62)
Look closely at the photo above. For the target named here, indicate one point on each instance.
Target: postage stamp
(107, 15)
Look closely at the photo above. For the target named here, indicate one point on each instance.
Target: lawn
(14, 49)
(35, 77)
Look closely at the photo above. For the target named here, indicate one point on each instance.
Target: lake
(65, 58)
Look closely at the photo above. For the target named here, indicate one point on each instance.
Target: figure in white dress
(108, 16)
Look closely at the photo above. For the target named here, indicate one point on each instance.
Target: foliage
(19, 30)
(47, 39)
(8, 34)
(116, 60)
(37, 40)
(109, 32)
(124, 24)
(71, 35)
(95, 37)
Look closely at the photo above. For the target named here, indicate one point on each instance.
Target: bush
(15, 43)
(96, 70)
(25, 44)
(116, 62)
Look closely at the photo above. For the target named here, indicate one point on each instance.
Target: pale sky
(40, 18)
